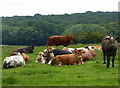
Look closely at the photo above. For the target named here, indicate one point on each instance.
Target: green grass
(91, 73)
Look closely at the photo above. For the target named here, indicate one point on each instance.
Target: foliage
(34, 30)
(87, 33)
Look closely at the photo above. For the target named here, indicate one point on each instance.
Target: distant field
(91, 73)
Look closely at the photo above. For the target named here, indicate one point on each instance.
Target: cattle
(28, 49)
(25, 57)
(49, 48)
(44, 56)
(86, 55)
(93, 53)
(59, 52)
(97, 47)
(118, 44)
(81, 48)
(59, 40)
(13, 61)
(68, 59)
(40, 58)
(49, 54)
(109, 48)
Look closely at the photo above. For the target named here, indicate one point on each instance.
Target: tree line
(88, 27)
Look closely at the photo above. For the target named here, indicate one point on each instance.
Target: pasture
(91, 73)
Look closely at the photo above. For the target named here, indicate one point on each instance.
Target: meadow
(91, 73)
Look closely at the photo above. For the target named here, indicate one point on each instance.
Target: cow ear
(80, 51)
(20, 52)
(74, 51)
(107, 38)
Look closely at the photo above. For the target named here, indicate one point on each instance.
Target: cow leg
(73, 63)
(108, 61)
(50, 62)
(113, 61)
(60, 64)
(104, 58)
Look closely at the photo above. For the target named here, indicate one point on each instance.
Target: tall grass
(91, 73)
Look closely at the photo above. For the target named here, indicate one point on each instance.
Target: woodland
(88, 27)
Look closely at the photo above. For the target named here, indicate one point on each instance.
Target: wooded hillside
(88, 27)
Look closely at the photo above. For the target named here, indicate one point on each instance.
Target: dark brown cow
(109, 48)
(68, 59)
(59, 40)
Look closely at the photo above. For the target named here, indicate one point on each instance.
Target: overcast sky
(45, 7)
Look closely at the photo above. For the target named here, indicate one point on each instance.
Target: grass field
(91, 73)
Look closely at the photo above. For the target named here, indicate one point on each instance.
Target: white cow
(13, 61)
(81, 48)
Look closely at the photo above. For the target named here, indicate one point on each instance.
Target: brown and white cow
(50, 54)
(59, 40)
(81, 48)
(68, 59)
(97, 47)
(25, 57)
(14, 61)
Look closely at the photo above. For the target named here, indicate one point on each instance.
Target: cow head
(79, 52)
(111, 40)
(48, 55)
(50, 48)
(32, 46)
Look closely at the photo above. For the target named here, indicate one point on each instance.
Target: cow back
(60, 52)
(59, 40)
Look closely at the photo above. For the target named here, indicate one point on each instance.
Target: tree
(87, 33)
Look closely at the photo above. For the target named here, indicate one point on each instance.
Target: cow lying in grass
(68, 59)
(13, 61)
(28, 49)
(82, 48)
(25, 57)
(51, 54)
(44, 56)
(97, 47)
(87, 55)
(40, 58)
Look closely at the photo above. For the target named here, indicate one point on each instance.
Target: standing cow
(59, 40)
(109, 48)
